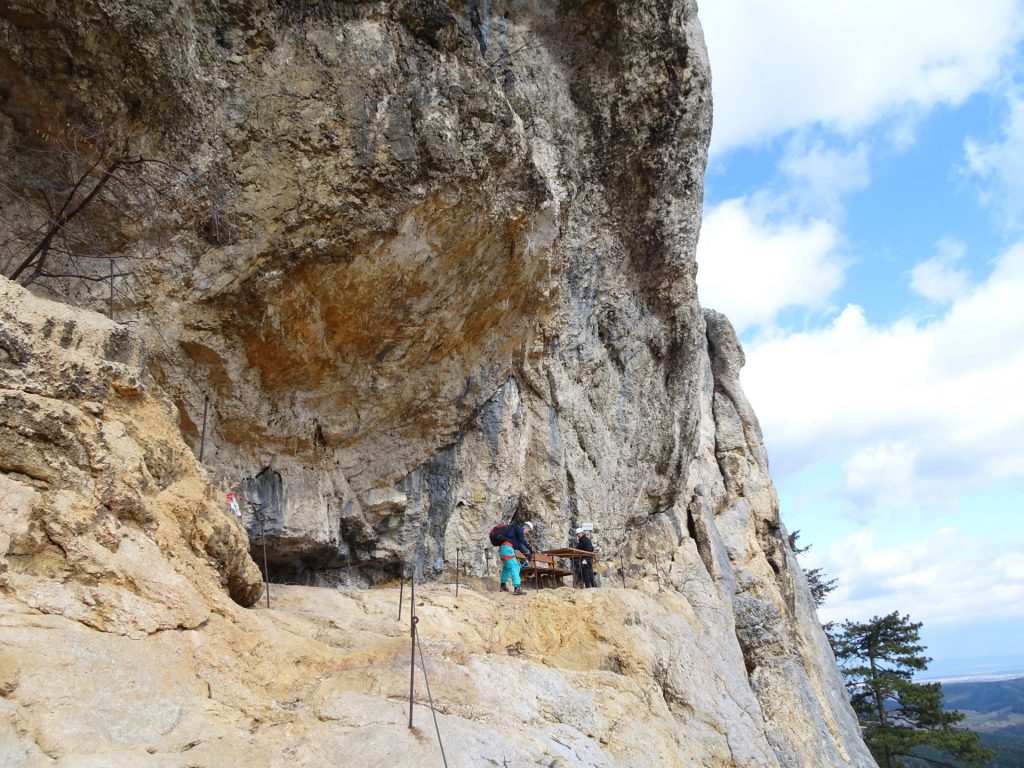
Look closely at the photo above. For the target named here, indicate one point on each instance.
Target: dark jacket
(515, 536)
(586, 545)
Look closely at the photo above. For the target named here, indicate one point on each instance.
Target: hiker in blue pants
(515, 538)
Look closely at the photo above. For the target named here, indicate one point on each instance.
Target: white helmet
(528, 524)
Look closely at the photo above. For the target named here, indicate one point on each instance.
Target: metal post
(257, 509)
(622, 570)
(266, 568)
(401, 588)
(202, 435)
(457, 552)
(412, 634)
(111, 311)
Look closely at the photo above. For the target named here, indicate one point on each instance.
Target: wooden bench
(544, 571)
(573, 555)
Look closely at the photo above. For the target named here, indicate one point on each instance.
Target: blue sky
(864, 231)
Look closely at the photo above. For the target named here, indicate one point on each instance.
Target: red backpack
(499, 534)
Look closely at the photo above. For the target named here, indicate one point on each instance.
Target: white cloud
(1011, 566)
(752, 267)
(819, 175)
(950, 576)
(938, 278)
(781, 64)
(1001, 165)
(880, 474)
(933, 408)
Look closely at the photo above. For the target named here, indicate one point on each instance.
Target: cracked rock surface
(107, 518)
(455, 280)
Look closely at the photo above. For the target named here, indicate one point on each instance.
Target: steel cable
(423, 666)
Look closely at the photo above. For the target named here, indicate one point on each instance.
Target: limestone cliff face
(459, 284)
(431, 231)
(105, 517)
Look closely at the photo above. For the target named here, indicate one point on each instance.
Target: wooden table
(542, 568)
(573, 555)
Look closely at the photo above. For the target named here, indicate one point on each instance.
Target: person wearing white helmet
(515, 538)
(586, 572)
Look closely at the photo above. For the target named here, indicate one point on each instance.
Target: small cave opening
(299, 563)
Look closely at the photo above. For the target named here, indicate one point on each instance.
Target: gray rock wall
(461, 284)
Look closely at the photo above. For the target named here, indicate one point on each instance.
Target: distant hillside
(999, 696)
(996, 710)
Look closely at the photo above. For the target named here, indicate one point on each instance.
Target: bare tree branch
(76, 195)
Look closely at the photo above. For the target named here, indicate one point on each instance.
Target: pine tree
(816, 580)
(878, 659)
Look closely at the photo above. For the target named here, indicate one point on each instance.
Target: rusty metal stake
(622, 570)
(412, 634)
(257, 509)
(111, 309)
(202, 435)
(401, 588)
(457, 551)
(266, 568)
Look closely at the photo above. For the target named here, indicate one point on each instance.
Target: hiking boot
(519, 591)
(504, 587)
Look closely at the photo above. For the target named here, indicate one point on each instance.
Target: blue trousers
(509, 568)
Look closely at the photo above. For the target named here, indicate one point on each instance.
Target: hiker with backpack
(509, 538)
